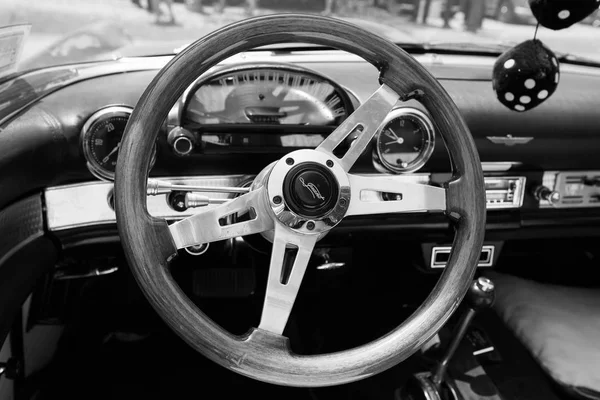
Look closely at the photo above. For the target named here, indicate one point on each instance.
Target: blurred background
(66, 31)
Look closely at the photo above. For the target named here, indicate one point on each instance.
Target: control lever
(480, 296)
(197, 200)
(156, 187)
(181, 201)
(432, 385)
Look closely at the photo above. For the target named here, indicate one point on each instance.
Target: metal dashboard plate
(87, 204)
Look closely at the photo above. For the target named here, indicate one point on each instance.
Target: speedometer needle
(113, 151)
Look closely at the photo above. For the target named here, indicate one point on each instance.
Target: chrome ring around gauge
(101, 138)
(405, 141)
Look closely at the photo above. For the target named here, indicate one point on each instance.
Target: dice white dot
(542, 94)
(529, 83)
(509, 96)
(509, 63)
(564, 14)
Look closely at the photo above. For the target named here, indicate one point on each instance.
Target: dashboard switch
(546, 194)
(181, 140)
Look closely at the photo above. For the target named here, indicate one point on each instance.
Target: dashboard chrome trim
(510, 140)
(499, 166)
(488, 261)
(89, 203)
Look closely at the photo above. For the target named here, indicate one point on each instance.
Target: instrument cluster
(266, 108)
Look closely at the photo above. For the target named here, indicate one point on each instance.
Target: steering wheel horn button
(310, 189)
(316, 196)
(315, 190)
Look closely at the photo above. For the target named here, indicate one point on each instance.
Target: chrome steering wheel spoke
(213, 224)
(364, 120)
(289, 259)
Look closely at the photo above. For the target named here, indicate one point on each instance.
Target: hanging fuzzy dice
(526, 75)
(560, 14)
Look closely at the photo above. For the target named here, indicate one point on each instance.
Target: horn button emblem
(310, 190)
(314, 190)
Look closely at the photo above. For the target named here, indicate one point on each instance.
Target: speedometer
(404, 141)
(267, 94)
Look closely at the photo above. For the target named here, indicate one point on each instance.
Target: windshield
(71, 31)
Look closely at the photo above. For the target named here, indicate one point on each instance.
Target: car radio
(569, 189)
(504, 192)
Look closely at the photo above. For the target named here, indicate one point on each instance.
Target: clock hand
(391, 134)
(399, 141)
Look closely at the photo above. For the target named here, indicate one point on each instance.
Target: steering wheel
(298, 200)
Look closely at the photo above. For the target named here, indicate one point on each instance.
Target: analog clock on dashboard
(405, 141)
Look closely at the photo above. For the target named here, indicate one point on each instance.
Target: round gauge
(405, 140)
(101, 138)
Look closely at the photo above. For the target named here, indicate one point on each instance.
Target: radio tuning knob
(544, 193)
(181, 140)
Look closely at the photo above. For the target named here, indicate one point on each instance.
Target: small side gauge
(101, 138)
(404, 141)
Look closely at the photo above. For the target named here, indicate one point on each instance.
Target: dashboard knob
(181, 140)
(176, 201)
(544, 193)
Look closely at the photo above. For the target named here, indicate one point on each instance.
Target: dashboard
(60, 146)
(252, 109)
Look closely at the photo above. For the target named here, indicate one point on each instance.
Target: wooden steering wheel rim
(149, 246)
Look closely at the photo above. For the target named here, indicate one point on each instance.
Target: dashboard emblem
(314, 191)
(510, 140)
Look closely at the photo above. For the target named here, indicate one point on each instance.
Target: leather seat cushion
(559, 325)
